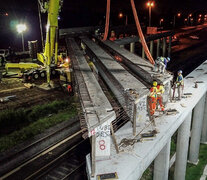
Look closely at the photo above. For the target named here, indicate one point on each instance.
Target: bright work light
(21, 28)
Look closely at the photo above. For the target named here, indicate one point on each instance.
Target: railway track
(69, 165)
(24, 163)
(25, 98)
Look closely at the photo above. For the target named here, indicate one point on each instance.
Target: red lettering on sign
(102, 145)
(92, 132)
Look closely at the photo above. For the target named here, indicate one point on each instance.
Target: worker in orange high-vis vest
(153, 98)
(69, 88)
(113, 36)
(160, 91)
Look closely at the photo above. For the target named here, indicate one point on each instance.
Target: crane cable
(107, 20)
(144, 44)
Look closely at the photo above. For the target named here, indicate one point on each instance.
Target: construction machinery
(52, 63)
(50, 57)
(50, 54)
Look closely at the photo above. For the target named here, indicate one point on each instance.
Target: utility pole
(23, 42)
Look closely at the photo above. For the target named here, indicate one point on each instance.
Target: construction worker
(153, 98)
(161, 64)
(160, 91)
(179, 84)
(68, 88)
(60, 59)
(113, 36)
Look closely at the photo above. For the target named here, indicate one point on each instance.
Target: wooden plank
(13, 89)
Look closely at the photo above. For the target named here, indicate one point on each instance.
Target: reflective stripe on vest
(153, 92)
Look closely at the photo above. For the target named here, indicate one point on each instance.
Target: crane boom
(52, 7)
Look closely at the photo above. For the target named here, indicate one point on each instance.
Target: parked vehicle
(4, 53)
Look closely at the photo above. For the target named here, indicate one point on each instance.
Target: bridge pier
(204, 129)
(132, 47)
(164, 46)
(196, 131)
(161, 163)
(169, 46)
(151, 47)
(182, 148)
(143, 53)
(158, 47)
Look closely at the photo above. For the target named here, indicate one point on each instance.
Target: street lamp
(189, 18)
(20, 29)
(178, 15)
(150, 4)
(121, 15)
(161, 21)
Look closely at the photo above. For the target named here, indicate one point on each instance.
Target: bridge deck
(131, 163)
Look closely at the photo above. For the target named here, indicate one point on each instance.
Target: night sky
(77, 13)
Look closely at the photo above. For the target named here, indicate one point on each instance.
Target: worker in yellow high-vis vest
(160, 91)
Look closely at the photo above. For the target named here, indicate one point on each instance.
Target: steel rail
(41, 153)
(32, 176)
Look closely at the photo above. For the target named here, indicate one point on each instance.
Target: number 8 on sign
(102, 145)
